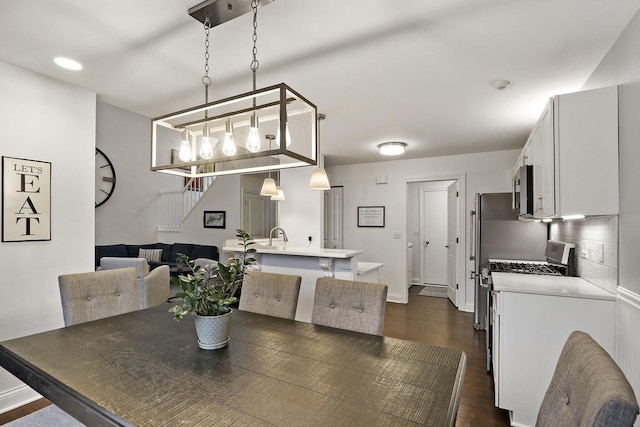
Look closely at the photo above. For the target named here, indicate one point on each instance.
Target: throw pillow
(152, 255)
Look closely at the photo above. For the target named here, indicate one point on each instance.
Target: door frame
(462, 230)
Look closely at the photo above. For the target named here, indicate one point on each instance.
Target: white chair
(153, 286)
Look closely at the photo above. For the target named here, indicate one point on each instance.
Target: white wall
(224, 195)
(43, 119)
(485, 172)
(621, 66)
(302, 214)
(129, 216)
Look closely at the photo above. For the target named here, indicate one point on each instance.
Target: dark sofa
(169, 252)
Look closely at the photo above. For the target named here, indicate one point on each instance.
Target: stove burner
(527, 267)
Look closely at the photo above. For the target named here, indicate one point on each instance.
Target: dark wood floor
(428, 320)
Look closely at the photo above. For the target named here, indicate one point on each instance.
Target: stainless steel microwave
(523, 191)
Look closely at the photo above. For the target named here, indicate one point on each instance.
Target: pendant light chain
(206, 80)
(255, 63)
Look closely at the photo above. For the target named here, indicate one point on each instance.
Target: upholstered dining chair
(270, 293)
(98, 294)
(153, 286)
(587, 388)
(346, 304)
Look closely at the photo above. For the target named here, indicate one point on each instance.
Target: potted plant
(209, 292)
(181, 261)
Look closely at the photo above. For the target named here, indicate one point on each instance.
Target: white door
(259, 214)
(434, 239)
(333, 217)
(452, 241)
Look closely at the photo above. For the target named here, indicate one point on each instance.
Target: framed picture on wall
(26, 200)
(370, 216)
(215, 219)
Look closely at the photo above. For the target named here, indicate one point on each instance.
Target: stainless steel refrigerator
(497, 234)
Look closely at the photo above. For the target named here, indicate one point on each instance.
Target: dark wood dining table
(146, 369)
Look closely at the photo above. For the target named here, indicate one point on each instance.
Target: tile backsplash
(596, 241)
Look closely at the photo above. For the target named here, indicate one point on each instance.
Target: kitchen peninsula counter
(310, 264)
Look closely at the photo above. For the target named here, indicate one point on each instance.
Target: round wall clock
(105, 178)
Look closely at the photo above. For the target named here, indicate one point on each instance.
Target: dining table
(145, 369)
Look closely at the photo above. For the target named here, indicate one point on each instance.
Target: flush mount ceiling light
(392, 148)
(237, 121)
(67, 63)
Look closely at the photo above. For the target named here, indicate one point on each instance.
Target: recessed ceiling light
(392, 148)
(500, 84)
(67, 63)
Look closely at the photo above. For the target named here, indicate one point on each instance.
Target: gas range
(527, 267)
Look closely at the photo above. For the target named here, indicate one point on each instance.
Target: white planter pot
(213, 331)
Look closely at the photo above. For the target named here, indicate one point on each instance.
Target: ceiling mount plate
(221, 11)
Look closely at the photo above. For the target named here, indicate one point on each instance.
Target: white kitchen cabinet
(586, 151)
(544, 165)
(532, 317)
(574, 152)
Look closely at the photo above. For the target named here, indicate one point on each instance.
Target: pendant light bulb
(185, 147)
(268, 188)
(206, 147)
(229, 143)
(287, 135)
(253, 141)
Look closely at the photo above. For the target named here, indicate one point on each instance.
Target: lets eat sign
(26, 200)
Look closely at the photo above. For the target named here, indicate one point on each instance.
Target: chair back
(346, 304)
(97, 294)
(587, 389)
(140, 264)
(270, 293)
(153, 286)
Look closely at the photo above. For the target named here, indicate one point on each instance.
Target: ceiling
(417, 71)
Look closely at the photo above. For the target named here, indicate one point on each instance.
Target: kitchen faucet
(284, 235)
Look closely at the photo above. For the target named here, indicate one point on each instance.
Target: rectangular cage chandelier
(267, 129)
(288, 134)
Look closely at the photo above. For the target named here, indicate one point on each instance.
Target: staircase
(175, 206)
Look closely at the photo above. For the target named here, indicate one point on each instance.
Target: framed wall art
(370, 216)
(26, 200)
(215, 219)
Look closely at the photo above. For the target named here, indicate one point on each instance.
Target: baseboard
(16, 397)
(468, 307)
(627, 338)
(393, 297)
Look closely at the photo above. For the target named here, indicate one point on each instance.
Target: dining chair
(587, 388)
(346, 304)
(270, 293)
(98, 294)
(153, 286)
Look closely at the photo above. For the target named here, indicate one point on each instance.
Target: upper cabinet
(574, 152)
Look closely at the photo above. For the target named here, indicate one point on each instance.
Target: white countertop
(565, 286)
(365, 267)
(298, 251)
